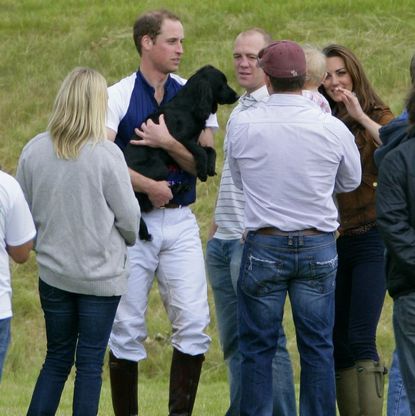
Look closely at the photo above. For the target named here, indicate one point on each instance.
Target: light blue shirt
(289, 158)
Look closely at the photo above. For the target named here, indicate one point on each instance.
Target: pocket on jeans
(323, 270)
(50, 293)
(259, 276)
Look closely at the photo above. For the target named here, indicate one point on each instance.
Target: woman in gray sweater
(79, 191)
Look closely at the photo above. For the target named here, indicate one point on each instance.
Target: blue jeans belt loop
(276, 231)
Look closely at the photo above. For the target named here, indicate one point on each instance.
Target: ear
(146, 42)
(268, 84)
(205, 104)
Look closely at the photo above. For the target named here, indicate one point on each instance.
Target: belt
(362, 229)
(171, 205)
(276, 231)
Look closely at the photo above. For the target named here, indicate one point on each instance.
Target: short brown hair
(265, 35)
(287, 84)
(150, 24)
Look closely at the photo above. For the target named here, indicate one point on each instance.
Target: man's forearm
(140, 182)
(182, 156)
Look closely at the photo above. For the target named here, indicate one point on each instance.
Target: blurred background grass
(42, 40)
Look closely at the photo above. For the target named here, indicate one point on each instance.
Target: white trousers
(175, 258)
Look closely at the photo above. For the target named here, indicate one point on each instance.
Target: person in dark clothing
(391, 135)
(396, 221)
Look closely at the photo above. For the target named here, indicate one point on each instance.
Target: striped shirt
(229, 212)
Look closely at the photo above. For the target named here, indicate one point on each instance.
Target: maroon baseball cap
(282, 59)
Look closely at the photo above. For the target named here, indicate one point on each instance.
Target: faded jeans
(404, 327)
(4, 340)
(305, 268)
(398, 404)
(223, 260)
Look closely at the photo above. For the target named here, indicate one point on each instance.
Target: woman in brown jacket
(360, 282)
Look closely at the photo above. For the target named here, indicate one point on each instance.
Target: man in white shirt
(16, 240)
(224, 248)
(289, 158)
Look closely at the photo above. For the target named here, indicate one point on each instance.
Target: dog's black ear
(205, 104)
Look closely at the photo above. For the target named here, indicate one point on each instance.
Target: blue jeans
(305, 268)
(4, 340)
(223, 260)
(404, 327)
(360, 292)
(398, 404)
(77, 328)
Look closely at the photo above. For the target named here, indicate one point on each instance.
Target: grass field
(42, 40)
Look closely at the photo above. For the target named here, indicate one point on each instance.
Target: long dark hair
(364, 91)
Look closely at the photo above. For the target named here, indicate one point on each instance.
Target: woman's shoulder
(39, 144)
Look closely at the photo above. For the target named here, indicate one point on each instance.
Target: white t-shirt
(16, 228)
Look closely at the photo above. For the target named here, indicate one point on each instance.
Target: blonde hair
(79, 112)
(316, 65)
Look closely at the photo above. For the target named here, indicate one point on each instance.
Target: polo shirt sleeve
(119, 96)
(235, 136)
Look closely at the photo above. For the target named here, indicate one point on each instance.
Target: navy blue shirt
(142, 104)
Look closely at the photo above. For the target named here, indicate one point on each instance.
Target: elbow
(20, 254)
(21, 259)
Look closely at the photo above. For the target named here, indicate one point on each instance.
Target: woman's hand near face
(351, 102)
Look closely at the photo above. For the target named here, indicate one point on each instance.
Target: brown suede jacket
(357, 208)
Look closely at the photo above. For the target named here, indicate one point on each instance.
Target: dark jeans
(305, 268)
(77, 328)
(360, 292)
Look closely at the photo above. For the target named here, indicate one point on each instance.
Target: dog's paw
(202, 177)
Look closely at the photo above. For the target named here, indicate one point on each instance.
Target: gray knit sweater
(85, 214)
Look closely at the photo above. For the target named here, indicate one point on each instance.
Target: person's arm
(20, 229)
(206, 138)
(20, 254)
(157, 135)
(120, 197)
(212, 230)
(234, 138)
(349, 172)
(158, 192)
(354, 109)
(111, 134)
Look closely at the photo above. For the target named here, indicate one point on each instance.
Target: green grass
(42, 40)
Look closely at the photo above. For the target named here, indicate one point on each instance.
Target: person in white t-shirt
(17, 231)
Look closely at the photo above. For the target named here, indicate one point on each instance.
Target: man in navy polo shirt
(175, 253)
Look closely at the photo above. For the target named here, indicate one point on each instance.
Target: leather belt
(276, 231)
(172, 205)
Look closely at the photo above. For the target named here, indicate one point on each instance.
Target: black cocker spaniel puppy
(185, 116)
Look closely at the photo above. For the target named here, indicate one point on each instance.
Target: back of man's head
(284, 63)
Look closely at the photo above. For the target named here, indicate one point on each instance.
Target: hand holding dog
(159, 193)
(154, 135)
